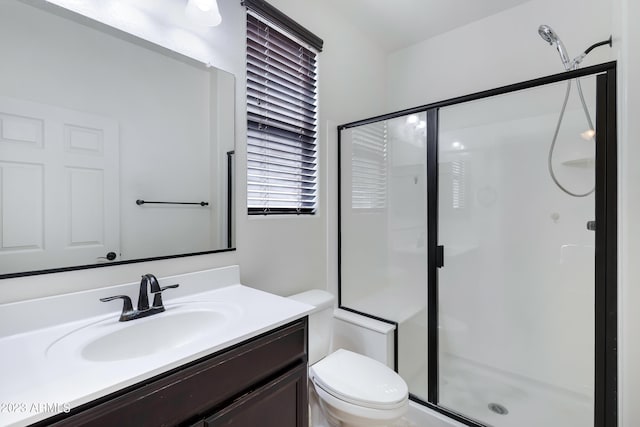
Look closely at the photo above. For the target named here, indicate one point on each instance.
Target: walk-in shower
(451, 228)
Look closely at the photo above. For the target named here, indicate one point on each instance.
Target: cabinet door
(281, 402)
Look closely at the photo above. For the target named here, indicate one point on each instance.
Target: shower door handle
(591, 225)
(440, 256)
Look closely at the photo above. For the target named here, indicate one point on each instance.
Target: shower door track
(605, 330)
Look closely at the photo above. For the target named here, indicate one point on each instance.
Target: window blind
(453, 176)
(369, 166)
(458, 184)
(281, 122)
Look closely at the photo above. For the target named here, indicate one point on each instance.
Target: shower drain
(498, 409)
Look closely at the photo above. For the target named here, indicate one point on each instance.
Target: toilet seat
(359, 380)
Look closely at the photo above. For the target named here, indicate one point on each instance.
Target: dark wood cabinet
(269, 406)
(259, 382)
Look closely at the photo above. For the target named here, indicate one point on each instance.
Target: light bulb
(412, 119)
(203, 5)
(204, 12)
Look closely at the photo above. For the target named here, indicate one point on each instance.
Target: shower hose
(555, 137)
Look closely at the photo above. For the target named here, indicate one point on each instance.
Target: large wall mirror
(94, 121)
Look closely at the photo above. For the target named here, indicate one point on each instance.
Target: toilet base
(317, 415)
(323, 414)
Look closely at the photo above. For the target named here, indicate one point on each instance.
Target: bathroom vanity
(220, 354)
(261, 381)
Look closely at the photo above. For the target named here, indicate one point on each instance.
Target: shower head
(550, 36)
(547, 34)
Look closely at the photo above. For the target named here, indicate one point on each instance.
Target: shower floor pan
(501, 400)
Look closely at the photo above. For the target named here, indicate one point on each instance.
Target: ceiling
(395, 24)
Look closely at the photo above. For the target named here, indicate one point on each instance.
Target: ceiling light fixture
(204, 12)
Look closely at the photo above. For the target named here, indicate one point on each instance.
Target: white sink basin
(179, 327)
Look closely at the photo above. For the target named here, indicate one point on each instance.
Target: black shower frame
(606, 211)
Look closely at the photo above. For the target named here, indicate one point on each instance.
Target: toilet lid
(360, 380)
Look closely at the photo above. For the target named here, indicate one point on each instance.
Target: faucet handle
(157, 297)
(127, 306)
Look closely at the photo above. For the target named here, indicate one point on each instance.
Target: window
(281, 117)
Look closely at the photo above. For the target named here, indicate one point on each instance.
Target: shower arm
(578, 59)
(609, 41)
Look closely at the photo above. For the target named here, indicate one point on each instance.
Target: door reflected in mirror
(93, 120)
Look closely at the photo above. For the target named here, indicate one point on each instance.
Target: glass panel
(383, 231)
(516, 293)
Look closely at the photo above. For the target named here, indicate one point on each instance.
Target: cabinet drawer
(199, 387)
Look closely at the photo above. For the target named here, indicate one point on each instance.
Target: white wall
(519, 266)
(628, 31)
(499, 50)
(286, 255)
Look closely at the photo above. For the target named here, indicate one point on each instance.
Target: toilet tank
(320, 322)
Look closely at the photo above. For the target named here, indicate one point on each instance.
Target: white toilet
(352, 390)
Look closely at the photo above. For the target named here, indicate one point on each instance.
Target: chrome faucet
(148, 281)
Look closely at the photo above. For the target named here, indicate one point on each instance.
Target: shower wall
(498, 50)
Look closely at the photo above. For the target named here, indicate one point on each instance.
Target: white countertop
(36, 384)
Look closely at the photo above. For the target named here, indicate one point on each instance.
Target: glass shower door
(516, 289)
(383, 238)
